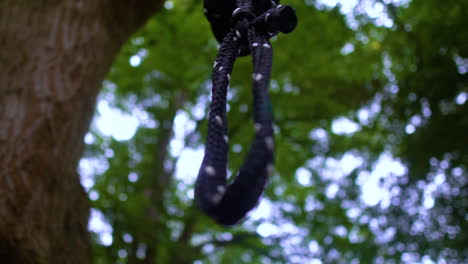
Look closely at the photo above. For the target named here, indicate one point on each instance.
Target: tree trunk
(54, 55)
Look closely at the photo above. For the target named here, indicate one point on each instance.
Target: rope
(246, 31)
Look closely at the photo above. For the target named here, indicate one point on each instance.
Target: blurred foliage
(404, 87)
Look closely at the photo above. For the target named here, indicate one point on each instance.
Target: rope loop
(241, 20)
(245, 31)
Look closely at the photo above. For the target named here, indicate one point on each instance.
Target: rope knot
(241, 20)
(268, 18)
(281, 18)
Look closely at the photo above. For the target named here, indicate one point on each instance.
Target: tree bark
(54, 55)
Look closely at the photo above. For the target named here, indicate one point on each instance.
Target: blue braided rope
(228, 203)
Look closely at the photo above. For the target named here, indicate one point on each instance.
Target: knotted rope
(247, 30)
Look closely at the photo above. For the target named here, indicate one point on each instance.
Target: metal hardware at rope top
(242, 27)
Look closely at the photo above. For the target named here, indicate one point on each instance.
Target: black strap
(242, 27)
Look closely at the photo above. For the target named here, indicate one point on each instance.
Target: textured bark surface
(53, 56)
